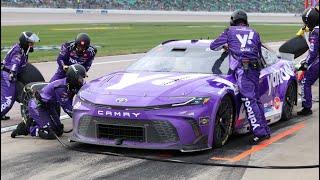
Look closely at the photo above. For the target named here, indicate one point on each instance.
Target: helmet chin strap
(28, 50)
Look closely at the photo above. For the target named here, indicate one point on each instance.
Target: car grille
(121, 132)
(153, 131)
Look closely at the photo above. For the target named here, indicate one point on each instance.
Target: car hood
(153, 88)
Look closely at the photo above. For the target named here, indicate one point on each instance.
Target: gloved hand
(225, 47)
(303, 66)
(12, 77)
(65, 68)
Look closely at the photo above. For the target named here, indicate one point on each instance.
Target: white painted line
(110, 62)
(13, 127)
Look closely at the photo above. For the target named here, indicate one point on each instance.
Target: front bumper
(141, 134)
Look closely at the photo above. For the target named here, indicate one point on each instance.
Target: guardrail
(142, 12)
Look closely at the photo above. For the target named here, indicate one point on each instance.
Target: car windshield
(197, 59)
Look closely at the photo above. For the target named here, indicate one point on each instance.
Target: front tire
(223, 122)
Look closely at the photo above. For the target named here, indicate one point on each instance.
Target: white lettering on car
(279, 76)
(117, 114)
(129, 79)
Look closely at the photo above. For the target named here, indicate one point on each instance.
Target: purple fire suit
(244, 44)
(13, 63)
(68, 56)
(312, 73)
(44, 112)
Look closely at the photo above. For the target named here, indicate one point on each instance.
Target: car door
(268, 90)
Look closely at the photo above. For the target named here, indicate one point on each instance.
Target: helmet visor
(33, 38)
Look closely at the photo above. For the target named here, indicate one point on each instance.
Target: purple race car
(181, 95)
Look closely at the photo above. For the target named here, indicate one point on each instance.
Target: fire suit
(42, 109)
(312, 72)
(68, 56)
(13, 63)
(245, 54)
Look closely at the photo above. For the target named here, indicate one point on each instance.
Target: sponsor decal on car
(121, 114)
(277, 103)
(279, 76)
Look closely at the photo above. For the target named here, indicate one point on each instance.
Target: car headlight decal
(193, 101)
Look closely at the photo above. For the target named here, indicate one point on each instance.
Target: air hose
(184, 162)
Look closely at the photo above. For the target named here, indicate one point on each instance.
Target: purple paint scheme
(169, 98)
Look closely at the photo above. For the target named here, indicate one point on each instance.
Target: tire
(289, 102)
(297, 46)
(223, 122)
(19, 89)
(30, 74)
(27, 95)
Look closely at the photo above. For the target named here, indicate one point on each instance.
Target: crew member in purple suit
(311, 65)
(244, 48)
(15, 60)
(44, 118)
(78, 51)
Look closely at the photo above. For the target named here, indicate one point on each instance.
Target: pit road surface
(33, 158)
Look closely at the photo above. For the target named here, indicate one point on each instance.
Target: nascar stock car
(180, 96)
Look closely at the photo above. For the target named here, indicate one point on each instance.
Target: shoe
(5, 118)
(21, 130)
(256, 140)
(305, 112)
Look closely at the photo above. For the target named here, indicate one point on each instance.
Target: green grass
(116, 39)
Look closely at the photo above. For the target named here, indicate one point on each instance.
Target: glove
(65, 68)
(303, 67)
(225, 47)
(12, 77)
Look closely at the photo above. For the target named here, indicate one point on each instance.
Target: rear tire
(297, 46)
(289, 102)
(223, 122)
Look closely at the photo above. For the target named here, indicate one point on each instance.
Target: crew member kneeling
(44, 117)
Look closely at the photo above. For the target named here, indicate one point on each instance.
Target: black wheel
(30, 74)
(289, 102)
(27, 95)
(223, 122)
(19, 89)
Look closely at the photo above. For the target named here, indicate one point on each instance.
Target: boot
(305, 112)
(21, 130)
(256, 140)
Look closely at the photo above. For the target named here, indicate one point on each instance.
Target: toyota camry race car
(181, 96)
